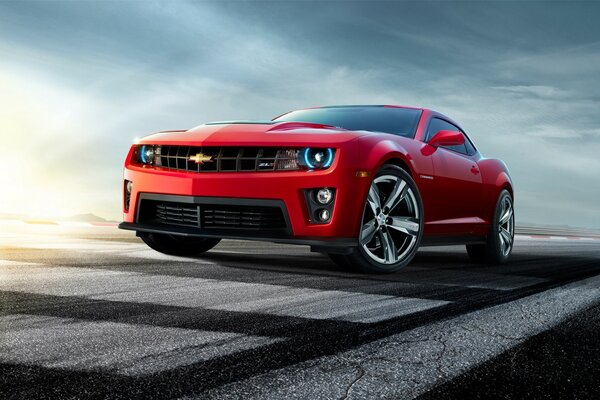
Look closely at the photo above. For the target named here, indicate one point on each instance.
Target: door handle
(474, 170)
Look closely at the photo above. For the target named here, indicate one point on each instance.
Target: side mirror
(447, 138)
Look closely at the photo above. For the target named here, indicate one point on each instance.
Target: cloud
(96, 75)
(539, 91)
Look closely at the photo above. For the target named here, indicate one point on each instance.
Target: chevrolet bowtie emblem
(200, 158)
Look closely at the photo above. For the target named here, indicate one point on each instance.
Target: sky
(80, 80)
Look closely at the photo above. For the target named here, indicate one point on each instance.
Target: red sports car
(367, 185)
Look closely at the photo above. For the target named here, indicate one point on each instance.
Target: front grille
(228, 159)
(211, 216)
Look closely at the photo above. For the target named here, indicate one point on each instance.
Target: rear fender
(495, 178)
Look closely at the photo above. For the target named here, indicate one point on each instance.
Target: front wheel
(499, 241)
(179, 245)
(391, 225)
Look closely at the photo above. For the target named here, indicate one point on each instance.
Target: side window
(470, 148)
(436, 125)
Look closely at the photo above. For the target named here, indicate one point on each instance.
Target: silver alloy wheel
(391, 220)
(506, 226)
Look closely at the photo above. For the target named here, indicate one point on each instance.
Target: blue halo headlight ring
(310, 159)
(306, 161)
(329, 158)
(143, 154)
(146, 154)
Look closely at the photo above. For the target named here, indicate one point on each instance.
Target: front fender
(375, 152)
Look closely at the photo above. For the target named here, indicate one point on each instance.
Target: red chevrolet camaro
(367, 185)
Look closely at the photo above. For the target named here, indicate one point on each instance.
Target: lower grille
(177, 214)
(242, 217)
(211, 216)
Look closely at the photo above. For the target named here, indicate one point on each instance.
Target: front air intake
(209, 216)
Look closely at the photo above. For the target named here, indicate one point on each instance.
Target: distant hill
(74, 218)
(86, 218)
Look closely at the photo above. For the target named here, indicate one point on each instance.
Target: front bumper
(321, 245)
(287, 188)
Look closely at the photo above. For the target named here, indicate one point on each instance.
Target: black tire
(179, 245)
(494, 250)
(362, 259)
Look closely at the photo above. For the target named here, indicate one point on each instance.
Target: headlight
(286, 160)
(314, 158)
(147, 155)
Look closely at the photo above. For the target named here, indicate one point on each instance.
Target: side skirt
(452, 240)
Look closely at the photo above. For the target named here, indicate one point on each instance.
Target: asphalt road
(93, 313)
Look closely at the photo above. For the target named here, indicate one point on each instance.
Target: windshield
(398, 121)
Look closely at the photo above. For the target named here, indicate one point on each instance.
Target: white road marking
(212, 294)
(413, 360)
(120, 348)
(523, 237)
(334, 305)
(449, 277)
(57, 242)
(126, 249)
(554, 238)
(411, 363)
(142, 251)
(228, 251)
(467, 278)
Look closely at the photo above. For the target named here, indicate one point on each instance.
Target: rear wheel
(179, 245)
(391, 225)
(499, 241)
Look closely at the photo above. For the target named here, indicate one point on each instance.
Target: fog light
(324, 196)
(323, 215)
(128, 189)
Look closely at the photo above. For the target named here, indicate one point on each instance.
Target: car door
(457, 184)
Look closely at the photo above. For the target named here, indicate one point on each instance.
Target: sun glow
(30, 118)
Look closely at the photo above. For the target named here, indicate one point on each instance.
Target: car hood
(256, 134)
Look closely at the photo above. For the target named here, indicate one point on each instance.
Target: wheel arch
(379, 151)
(506, 185)
(503, 182)
(496, 178)
(398, 161)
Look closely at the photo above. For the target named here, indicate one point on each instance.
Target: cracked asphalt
(93, 313)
